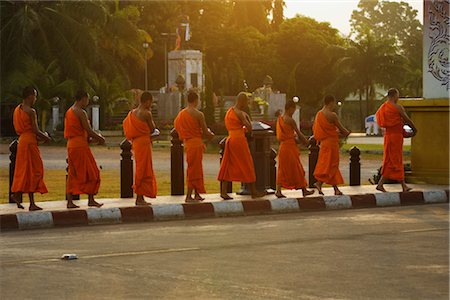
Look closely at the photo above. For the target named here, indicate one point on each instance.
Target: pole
(146, 79)
(166, 80)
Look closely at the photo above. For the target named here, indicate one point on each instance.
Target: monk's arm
(245, 119)
(150, 122)
(40, 134)
(300, 135)
(344, 131)
(206, 132)
(406, 119)
(85, 123)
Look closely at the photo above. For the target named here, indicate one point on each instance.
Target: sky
(336, 12)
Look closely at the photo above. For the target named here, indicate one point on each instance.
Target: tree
(46, 80)
(251, 13)
(277, 14)
(393, 23)
(81, 38)
(366, 64)
(305, 52)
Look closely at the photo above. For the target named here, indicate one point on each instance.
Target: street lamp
(145, 45)
(297, 101)
(339, 109)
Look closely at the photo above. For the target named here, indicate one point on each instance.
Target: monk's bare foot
(191, 200)
(19, 205)
(34, 207)
(199, 198)
(318, 187)
(258, 195)
(307, 192)
(72, 205)
(338, 193)
(407, 189)
(280, 195)
(381, 189)
(95, 203)
(226, 197)
(142, 203)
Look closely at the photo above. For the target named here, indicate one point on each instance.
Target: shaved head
(242, 99)
(392, 93)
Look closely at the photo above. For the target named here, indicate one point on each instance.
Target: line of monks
(236, 165)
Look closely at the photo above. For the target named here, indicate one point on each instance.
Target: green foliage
(395, 25)
(61, 46)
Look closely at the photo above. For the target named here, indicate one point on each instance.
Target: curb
(97, 216)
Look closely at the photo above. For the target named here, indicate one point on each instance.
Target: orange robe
(291, 174)
(83, 173)
(138, 132)
(237, 163)
(191, 133)
(327, 134)
(389, 118)
(29, 171)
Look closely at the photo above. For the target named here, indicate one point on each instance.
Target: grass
(109, 187)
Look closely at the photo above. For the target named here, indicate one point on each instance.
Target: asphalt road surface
(381, 253)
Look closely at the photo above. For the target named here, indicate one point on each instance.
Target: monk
(191, 127)
(291, 174)
(83, 173)
(327, 129)
(29, 170)
(138, 127)
(237, 162)
(392, 117)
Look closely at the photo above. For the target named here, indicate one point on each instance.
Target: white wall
(436, 49)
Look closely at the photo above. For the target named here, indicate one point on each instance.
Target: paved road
(388, 253)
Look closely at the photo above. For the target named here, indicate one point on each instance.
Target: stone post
(313, 156)
(273, 169)
(176, 165)
(126, 170)
(221, 152)
(355, 166)
(12, 167)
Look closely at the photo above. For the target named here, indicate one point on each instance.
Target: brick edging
(95, 216)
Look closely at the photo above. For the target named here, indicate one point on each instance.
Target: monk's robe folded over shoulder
(29, 171)
(138, 132)
(83, 173)
(191, 133)
(237, 163)
(291, 174)
(327, 134)
(389, 118)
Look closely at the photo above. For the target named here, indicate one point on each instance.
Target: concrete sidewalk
(114, 211)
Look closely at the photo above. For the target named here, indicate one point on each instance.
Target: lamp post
(55, 113)
(339, 109)
(145, 45)
(95, 109)
(297, 113)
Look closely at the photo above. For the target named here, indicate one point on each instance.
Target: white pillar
(55, 117)
(95, 117)
(296, 117)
